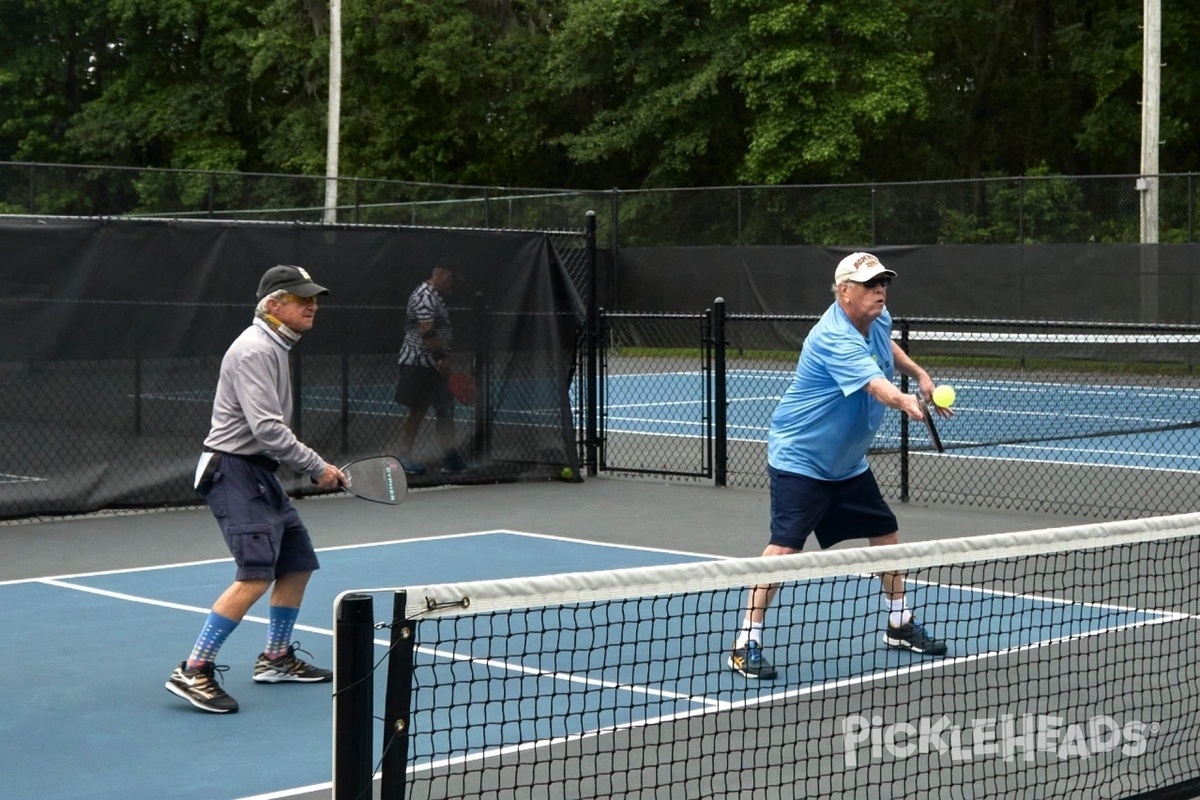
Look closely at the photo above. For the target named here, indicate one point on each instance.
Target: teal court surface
(86, 653)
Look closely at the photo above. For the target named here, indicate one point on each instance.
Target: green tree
(53, 58)
(721, 91)
(438, 91)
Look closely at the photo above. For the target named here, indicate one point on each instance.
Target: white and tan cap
(860, 268)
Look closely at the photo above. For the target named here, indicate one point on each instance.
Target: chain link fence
(656, 367)
(1026, 210)
(721, 415)
(1081, 418)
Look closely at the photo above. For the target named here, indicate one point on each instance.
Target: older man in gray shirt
(248, 439)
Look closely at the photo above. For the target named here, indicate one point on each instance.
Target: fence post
(1190, 211)
(137, 386)
(874, 218)
(614, 243)
(593, 348)
(481, 439)
(345, 402)
(1021, 210)
(740, 222)
(720, 400)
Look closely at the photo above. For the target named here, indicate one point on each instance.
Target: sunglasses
(871, 284)
(298, 300)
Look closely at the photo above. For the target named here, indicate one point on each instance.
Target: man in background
(425, 365)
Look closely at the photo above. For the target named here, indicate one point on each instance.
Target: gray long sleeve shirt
(253, 403)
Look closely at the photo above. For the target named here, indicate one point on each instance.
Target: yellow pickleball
(943, 396)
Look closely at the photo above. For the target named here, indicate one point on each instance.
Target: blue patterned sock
(279, 634)
(216, 629)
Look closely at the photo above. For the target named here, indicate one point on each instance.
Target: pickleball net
(1072, 671)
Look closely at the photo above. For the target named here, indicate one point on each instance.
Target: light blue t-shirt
(825, 421)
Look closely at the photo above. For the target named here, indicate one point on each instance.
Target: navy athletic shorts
(835, 510)
(422, 387)
(262, 530)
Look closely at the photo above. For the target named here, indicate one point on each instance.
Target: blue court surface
(1066, 417)
(85, 658)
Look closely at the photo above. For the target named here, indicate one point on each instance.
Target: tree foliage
(597, 93)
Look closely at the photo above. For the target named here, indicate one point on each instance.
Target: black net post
(398, 703)
(593, 346)
(720, 397)
(353, 698)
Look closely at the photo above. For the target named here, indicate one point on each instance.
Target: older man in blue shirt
(817, 449)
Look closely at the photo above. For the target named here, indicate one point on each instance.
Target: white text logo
(1008, 736)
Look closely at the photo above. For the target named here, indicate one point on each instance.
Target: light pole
(1148, 182)
(335, 111)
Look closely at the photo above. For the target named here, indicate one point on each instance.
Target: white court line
(146, 601)
(62, 582)
(708, 705)
(429, 538)
(568, 677)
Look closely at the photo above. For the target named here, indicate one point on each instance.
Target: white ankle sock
(898, 613)
(751, 630)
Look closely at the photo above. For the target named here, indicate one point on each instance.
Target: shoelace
(294, 648)
(214, 671)
(919, 631)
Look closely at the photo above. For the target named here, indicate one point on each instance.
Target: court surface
(96, 612)
(1066, 416)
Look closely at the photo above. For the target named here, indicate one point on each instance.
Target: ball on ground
(567, 473)
(943, 396)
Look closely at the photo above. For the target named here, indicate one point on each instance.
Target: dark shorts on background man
(262, 530)
(834, 510)
(422, 387)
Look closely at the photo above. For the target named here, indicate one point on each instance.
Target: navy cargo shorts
(836, 511)
(261, 528)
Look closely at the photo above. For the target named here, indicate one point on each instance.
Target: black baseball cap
(293, 279)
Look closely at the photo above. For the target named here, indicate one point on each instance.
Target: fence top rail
(650, 315)
(516, 190)
(43, 218)
(293, 176)
(872, 185)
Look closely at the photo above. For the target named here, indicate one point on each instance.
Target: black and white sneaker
(289, 668)
(913, 636)
(750, 661)
(199, 687)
